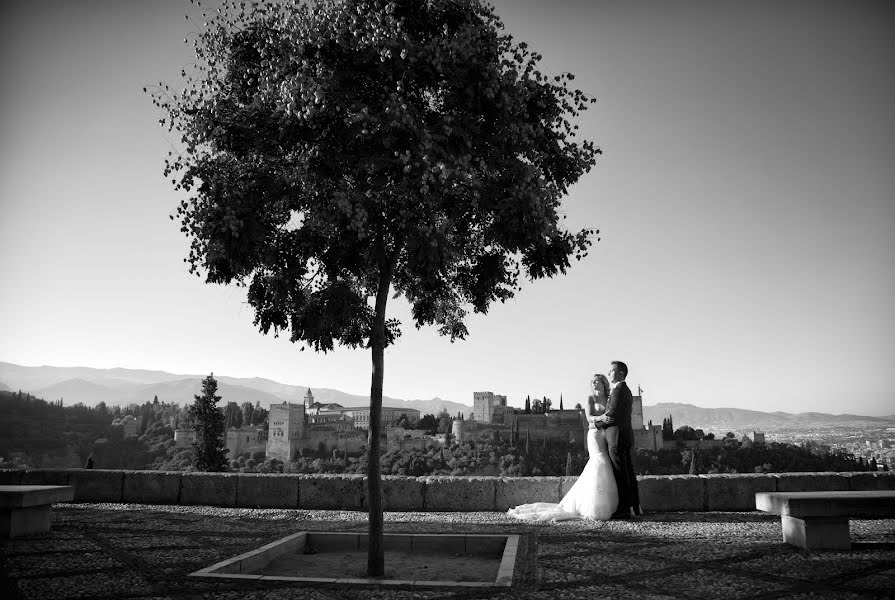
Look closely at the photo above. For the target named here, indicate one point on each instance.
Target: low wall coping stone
(442, 493)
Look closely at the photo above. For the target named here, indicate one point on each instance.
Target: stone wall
(691, 493)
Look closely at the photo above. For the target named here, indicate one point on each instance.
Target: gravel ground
(146, 552)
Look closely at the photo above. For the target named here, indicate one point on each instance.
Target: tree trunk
(376, 552)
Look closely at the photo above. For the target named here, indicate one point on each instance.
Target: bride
(595, 495)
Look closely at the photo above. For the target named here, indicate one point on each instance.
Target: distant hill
(126, 386)
(722, 420)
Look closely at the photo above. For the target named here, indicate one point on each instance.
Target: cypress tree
(209, 453)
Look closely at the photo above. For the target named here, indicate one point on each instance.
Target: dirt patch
(404, 566)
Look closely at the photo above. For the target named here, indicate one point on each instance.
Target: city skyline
(745, 199)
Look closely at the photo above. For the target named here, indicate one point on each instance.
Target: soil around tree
(399, 565)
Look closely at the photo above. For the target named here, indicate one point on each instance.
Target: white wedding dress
(594, 496)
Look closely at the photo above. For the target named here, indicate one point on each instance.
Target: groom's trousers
(625, 478)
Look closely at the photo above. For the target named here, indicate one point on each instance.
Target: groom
(620, 438)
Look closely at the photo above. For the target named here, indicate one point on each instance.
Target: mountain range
(134, 386)
(739, 420)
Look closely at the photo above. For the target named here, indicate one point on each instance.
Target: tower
(637, 412)
(309, 401)
(483, 406)
(287, 427)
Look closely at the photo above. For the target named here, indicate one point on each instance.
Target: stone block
(332, 492)
(811, 482)
(47, 477)
(672, 493)
(24, 521)
(861, 481)
(267, 490)
(11, 476)
(460, 494)
(402, 494)
(566, 484)
(817, 533)
(152, 487)
(211, 489)
(97, 485)
(513, 491)
(735, 491)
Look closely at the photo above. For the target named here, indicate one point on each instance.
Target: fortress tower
(484, 405)
(637, 413)
(288, 425)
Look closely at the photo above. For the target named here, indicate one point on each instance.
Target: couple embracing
(607, 488)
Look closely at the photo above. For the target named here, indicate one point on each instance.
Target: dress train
(594, 496)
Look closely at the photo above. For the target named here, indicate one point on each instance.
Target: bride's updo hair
(600, 384)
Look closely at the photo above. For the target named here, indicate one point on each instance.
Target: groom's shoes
(621, 514)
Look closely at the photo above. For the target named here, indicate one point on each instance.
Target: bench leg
(17, 522)
(817, 533)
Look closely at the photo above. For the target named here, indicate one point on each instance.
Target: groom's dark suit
(620, 439)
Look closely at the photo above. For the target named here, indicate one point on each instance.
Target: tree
(528, 405)
(667, 428)
(209, 453)
(338, 152)
(560, 402)
(427, 423)
(686, 433)
(232, 416)
(247, 410)
(444, 421)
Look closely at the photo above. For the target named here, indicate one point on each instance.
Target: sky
(745, 198)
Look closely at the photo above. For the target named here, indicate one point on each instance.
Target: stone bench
(817, 520)
(25, 509)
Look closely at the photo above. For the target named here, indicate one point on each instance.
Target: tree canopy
(337, 152)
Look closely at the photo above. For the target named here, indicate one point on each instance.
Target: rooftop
(147, 551)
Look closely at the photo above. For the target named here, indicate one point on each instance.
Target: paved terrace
(115, 550)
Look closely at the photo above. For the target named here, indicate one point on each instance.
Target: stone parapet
(735, 491)
(461, 494)
(267, 490)
(402, 494)
(811, 482)
(672, 492)
(693, 493)
(213, 489)
(98, 485)
(513, 491)
(332, 492)
(151, 487)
